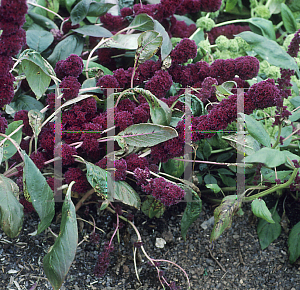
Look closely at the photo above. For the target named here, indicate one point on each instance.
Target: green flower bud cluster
(205, 23)
(270, 71)
(262, 11)
(204, 49)
(231, 48)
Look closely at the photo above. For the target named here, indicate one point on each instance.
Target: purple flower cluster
(103, 261)
(183, 51)
(164, 191)
(71, 66)
(66, 154)
(38, 159)
(70, 87)
(23, 115)
(13, 37)
(3, 124)
(160, 83)
(77, 175)
(141, 175)
(228, 30)
(294, 46)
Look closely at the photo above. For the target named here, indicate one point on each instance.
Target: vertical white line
(110, 142)
(188, 171)
(240, 172)
(57, 150)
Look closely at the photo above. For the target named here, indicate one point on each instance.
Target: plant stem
(37, 5)
(274, 188)
(82, 200)
(278, 136)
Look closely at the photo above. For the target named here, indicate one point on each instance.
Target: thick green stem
(278, 136)
(274, 188)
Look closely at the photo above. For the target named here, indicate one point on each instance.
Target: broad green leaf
(295, 6)
(25, 102)
(230, 4)
(270, 157)
(228, 180)
(198, 36)
(225, 171)
(103, 183)
(269, 50)
(174, 167)
(123, 41)
(288, 19)
(166, 46)
(95, 68)
(263, 27)
(142, 22)
(39, 40)
(295, 116)
(152, 207)
(73, 44)
(52, 5)
(206, 150)
(209, 179)
(8, 148)
(294, 243)
(69, 4)
(40, 192)
(145, 135)
(34, 57)
(190, 214)
(91, 83)
(245, 145)
(295, 101)
(43, 21)
(269, 174)
(267, 233)
(37, 79)
(257, 131)
(194, 103)
(98, 9)
(61, 255)
(11, 210)
(285, 132)
(148, 44)
(93, 30)
(275, 6)
(80, 11)
(38, 10)
(160, 112)
(224, 213)
(260, 209)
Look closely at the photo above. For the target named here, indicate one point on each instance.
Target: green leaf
(152, 207)
(69, 4)
(285, 132)
(25, 102)
(257, 131)
(260, 209)
(123, 41)
(145, 135)
(8, 148)
(73, 44)
(206, 149)
(274, 6)
(294, 243)
(230, 4)
(174, 167)
(211, 183)
(198, 36)
(247, 145)
(98, 9)
(80, 11)
(295, 115)
(194, 103)
(160, 112)
(166, 46)
(103, 183)
(35, 57)
(295, 6)
(190, 214)
(52, 5)
(269, 174)
(295, 101)
(39, 40)
(11, 210)
(40, 192)
(263, 27)
(269, 50)
(93, 30)
(60, 257)
(214, 187)
(228, 180)
(224, 213)
(148, 44)
(142, 22)
(43, 21)
(37, 79)
(94, 68)
(267, 233)
(270, 157)
(288, 19)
